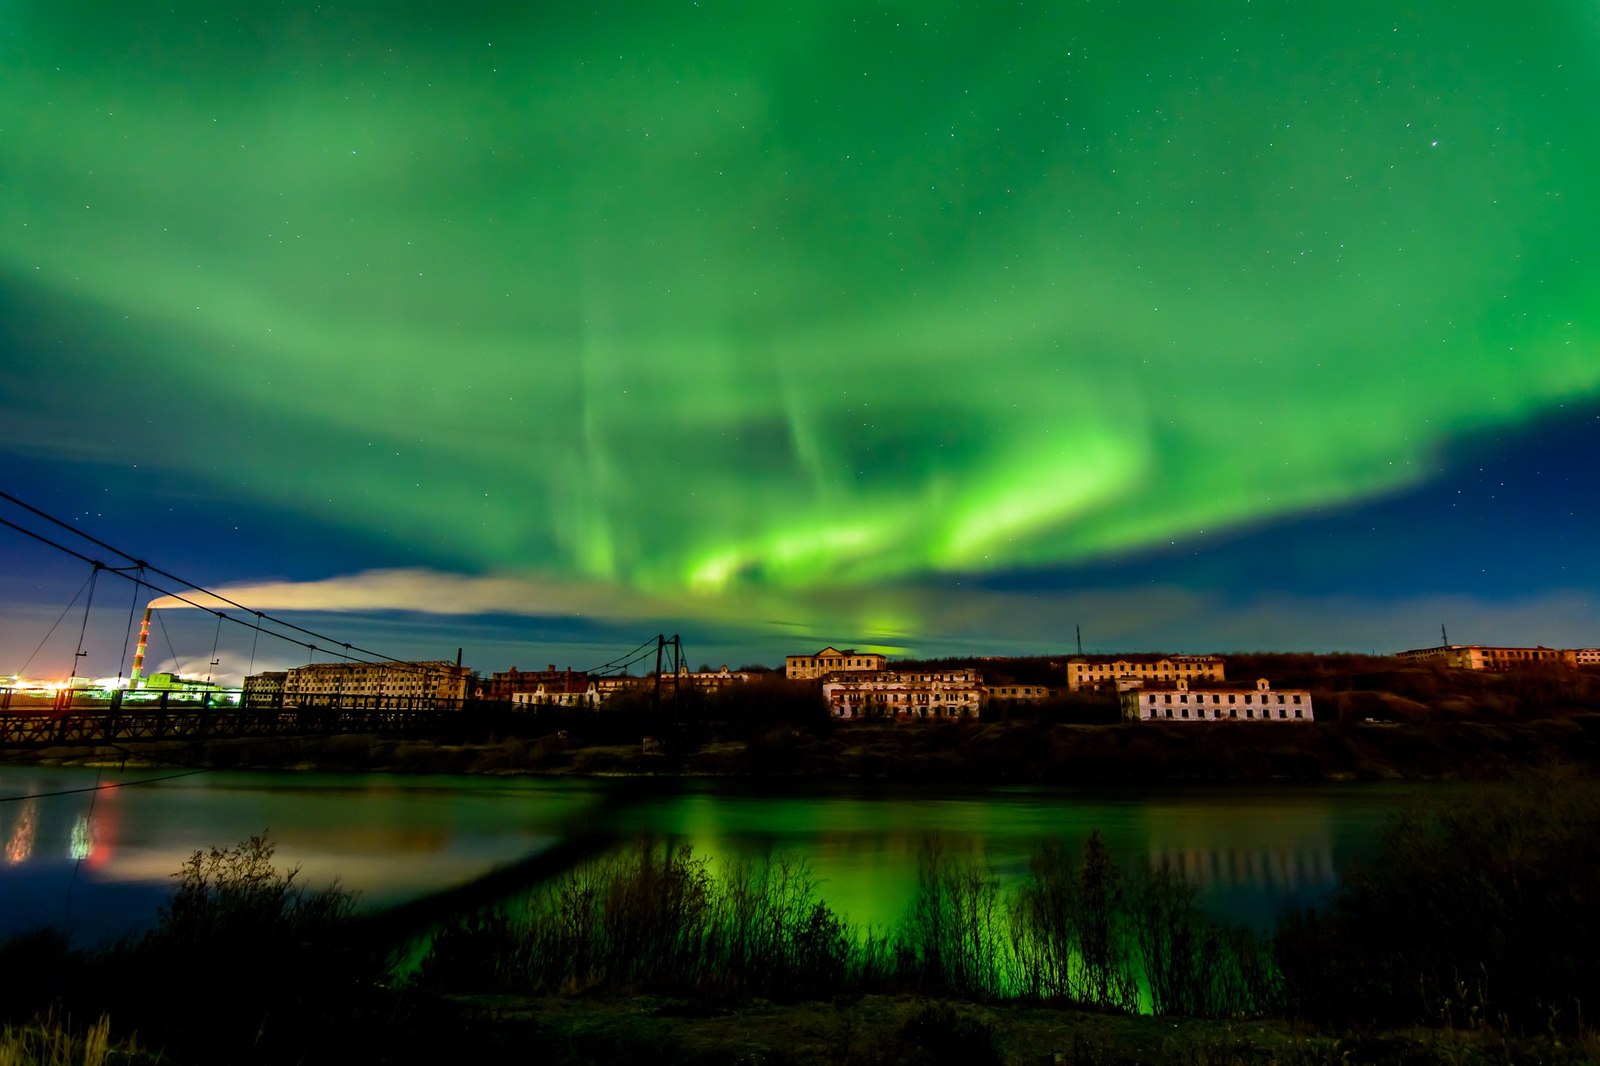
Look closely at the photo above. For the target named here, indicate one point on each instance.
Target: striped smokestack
(138, 652)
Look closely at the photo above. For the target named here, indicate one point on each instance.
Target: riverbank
(586, 1030)
(875, 1030)
(923, 751)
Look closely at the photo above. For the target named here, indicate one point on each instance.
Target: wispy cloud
(947, 618)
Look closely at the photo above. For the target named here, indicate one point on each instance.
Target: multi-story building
(577, 690)
(503, 684)
(1097, 672)
(169, 681)
(606, 687)
(425, 684)
(893, 693)
(1181, 701)
(1586, 657)
(1484, 657)
(1019, 693)
(704, 680)
(830, 660)
(264, 689)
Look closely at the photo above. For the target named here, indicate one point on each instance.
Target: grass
(45, 1042)
(653, 919)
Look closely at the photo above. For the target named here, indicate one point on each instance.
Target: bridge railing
(89, 716)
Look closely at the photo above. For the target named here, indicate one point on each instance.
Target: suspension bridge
(361, 691)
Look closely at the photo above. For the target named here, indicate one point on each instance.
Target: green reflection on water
(1253, 850)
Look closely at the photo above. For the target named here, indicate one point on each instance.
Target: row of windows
(1200, 698)
(902, 697)
(1233, 712)
(1101, 668)
(843, 663)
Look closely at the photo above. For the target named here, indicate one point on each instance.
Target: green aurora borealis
(726, 301)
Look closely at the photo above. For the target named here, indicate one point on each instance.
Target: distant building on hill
(409, 685)
(264, 689)
(830, 660)
(704, 680)
(1586, 656)
(1485, 657)
(571, 690)
(901, 694)
(1019, 693)
(504, 684)
(1181, 701)
(1095, 673)
(606, 687)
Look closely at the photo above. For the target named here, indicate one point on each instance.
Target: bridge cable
(170, 649)
(87, 603)
(257, 627)
(53, 628)
(633, 656)
(133, 606)
(185, 599)
(106, 785)
(170, 576)
(216, 638)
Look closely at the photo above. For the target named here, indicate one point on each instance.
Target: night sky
(928, 327)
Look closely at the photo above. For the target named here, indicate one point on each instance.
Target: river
(100, 862)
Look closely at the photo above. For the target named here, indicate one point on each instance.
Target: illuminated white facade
(1179, 701)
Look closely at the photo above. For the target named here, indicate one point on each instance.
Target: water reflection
(19, 844)
(1277, 868)
(393, 838)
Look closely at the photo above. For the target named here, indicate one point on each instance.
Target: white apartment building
(1180, 701)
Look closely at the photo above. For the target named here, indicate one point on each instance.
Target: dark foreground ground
(880, 1030)
(870, 1031)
